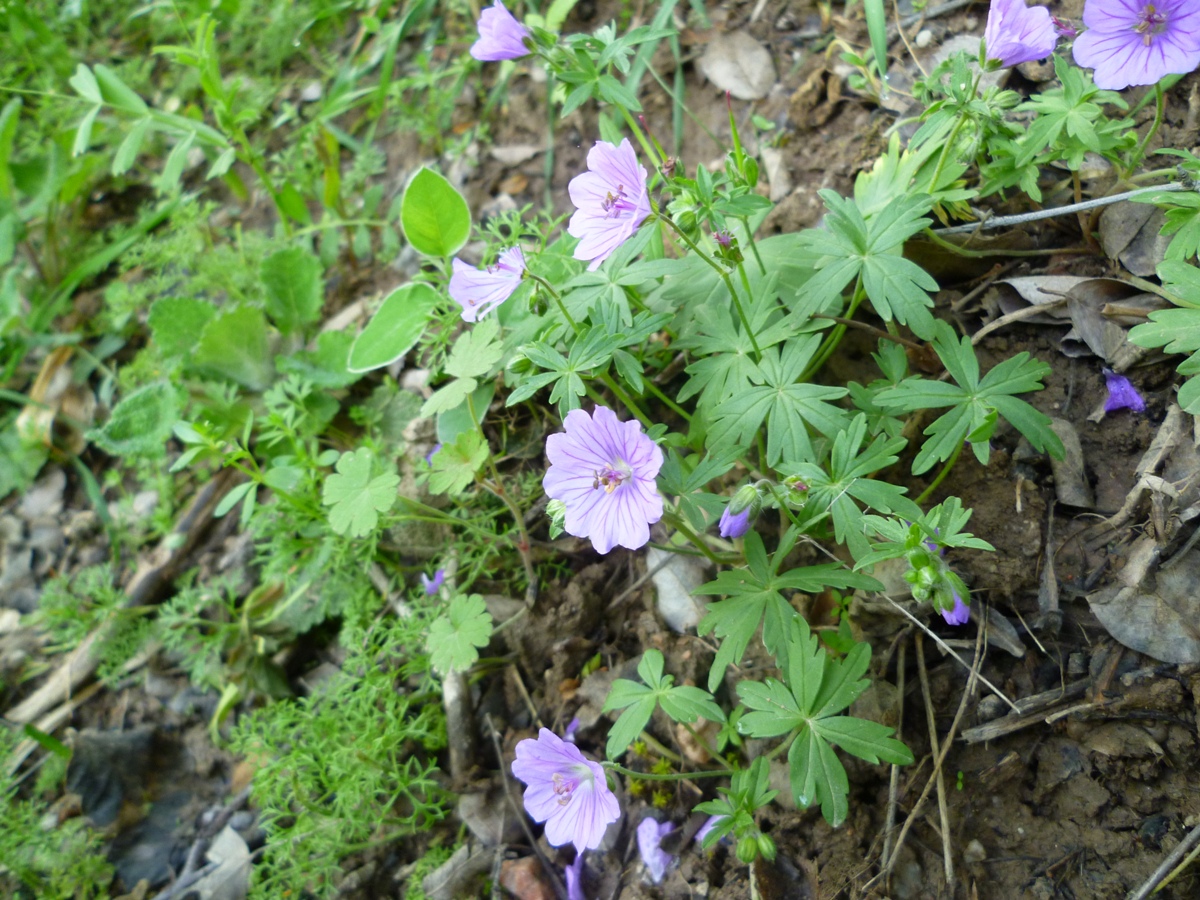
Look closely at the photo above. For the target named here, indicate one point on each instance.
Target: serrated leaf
(234, 345)
(140, 424)
(355, 498)
(454, 638)
(448, 397)
(177, 323)
(455, 465)
(434, 215)
(476, 351)
(295, 288)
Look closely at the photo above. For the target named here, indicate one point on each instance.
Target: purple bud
(572, 727)
(433, 585)
(960, 614)
(708, 826)
(1121, 393)
(723, 237)
(429, 455)
(734, 525)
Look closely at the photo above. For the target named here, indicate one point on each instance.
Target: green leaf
(116, 92)
(294, 282)
(455, 465)
(395, 327)
(129, 148)
(234, 345)
(141, 423)
(355, 498)
(454, 638)
(476, 351)
(177, 322)
(434, 215)
(83, 134)
(85, 84)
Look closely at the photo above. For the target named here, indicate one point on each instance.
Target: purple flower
(574, 873)
(734, 525)
(572, 727)
(708, 826)
(723, 237)
(603, 471)
(649, 835)
(960, 614)
(479, 291)
(500, 36)
(1017, 33)
(429, 455)
(434, 584)
(611, 201)
(1121, 393)
(565, 790)
(1132, 42)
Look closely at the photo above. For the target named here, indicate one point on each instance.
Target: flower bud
(766, 846)
(747, 850)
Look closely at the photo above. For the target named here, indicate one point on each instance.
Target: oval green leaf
(394, 329)
(434, 215)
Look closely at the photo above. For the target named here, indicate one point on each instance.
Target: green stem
(753, 246)
(637, 132)
(1159, 108)
(671, 404)
(672, 776)
(835, 336)
(941, 476)
(724, 273)
(693, 538)
(937, 173)
(983, 254)
(611, 384)
(557, 299)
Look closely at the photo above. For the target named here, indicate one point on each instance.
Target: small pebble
(924, 38)
(974, 853)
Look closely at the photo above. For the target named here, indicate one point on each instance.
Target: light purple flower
(1121, 393)
(429, 455)
(500, 36)
(434, 584)
(611, 201)
(572, 727)
(479, 291)
(1131, 42)
(708, 826)
(734, 525)
(649, 836)
(960, 614)
(565, 790)
(574, 873)
(603, 471)
(1017, 33)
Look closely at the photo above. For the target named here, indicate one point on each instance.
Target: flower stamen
(563, 788)
(1150, 23)
(612, 477)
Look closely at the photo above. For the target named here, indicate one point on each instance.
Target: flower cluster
(1131, 42)
(933, 581)
(603, 470)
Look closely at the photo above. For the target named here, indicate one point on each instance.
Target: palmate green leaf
(755, 596)
(975, 401)
(354, 497)
(1177, 330)
(787, 405)
(455, 465)
(455, 637)
(682, 704)
(817, 687)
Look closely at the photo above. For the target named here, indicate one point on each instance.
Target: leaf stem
(557, 299)
(941, 476)
(670, 776)
(1159, 109)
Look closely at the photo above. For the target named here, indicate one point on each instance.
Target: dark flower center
(1150, 23)
(615, 204)
(612, 477)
